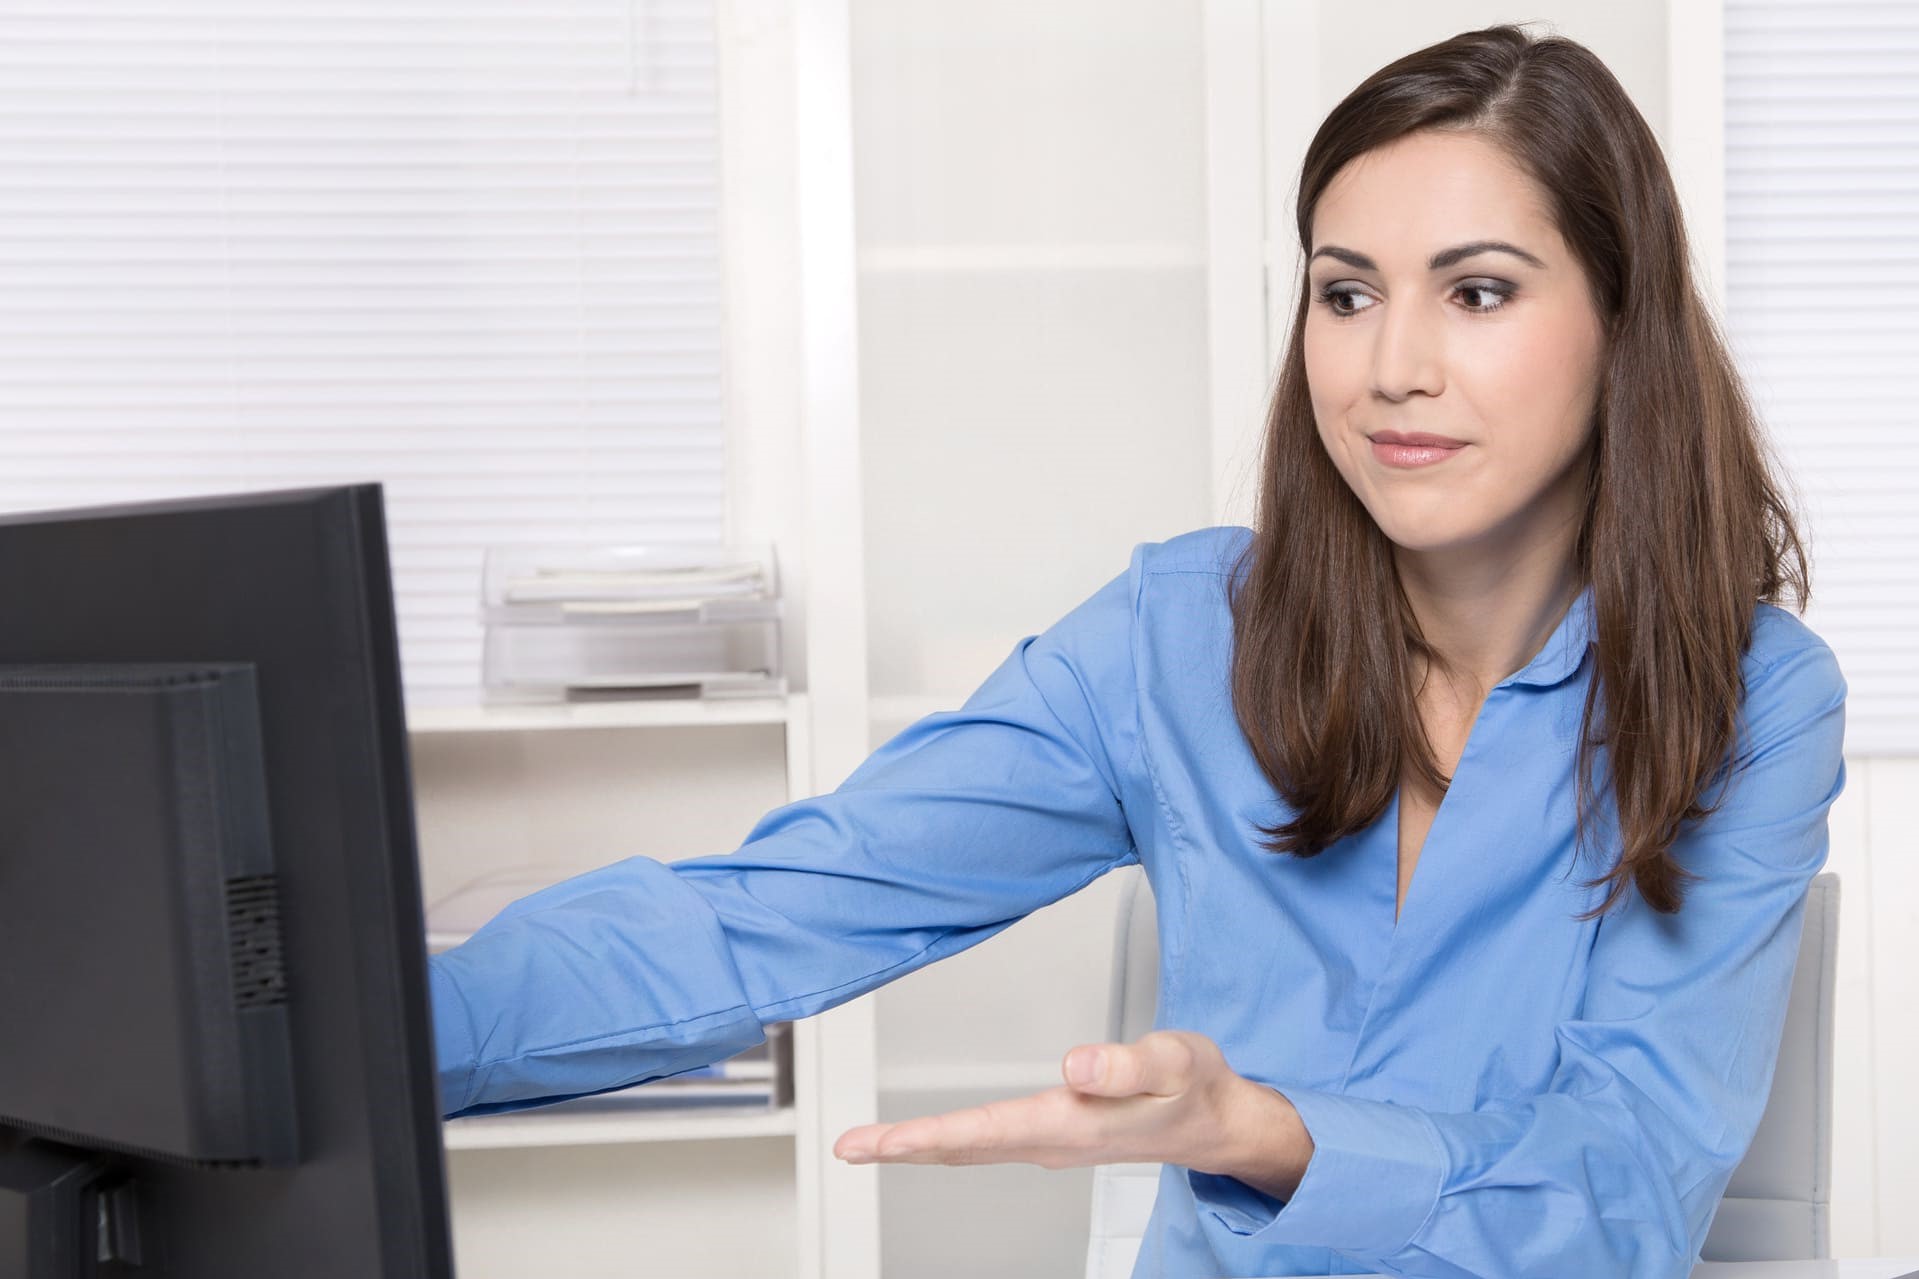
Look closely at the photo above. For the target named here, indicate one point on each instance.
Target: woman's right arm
(960, 825)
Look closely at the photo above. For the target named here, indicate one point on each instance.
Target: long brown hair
(1684, 529)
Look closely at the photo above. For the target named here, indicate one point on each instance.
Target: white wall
(1031, 219)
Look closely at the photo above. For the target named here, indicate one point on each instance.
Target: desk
(1850, 1268)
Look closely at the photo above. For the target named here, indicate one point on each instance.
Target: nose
(1408, 352)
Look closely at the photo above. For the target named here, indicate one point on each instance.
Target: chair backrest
(1776, 1208)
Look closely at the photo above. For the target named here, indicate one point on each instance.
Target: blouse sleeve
(1619, 1167)
(959, 826)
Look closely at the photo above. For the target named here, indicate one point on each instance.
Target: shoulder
(1212, 549)
(1197, 557)
(1793, 687)
(1785, 764)
(1786, 651)
(1184, 622)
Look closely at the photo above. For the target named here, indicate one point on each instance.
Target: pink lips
(1413, 448)
(1425, 438)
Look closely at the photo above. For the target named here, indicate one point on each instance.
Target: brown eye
(1329, 296)
(1499, 293)
(1342, 303)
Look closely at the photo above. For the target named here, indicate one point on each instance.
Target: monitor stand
(63, 1211)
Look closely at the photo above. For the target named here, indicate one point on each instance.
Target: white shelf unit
(688, 1123)
(531, 1128)
(643, 713)
(521, 1158)
(704, 1196)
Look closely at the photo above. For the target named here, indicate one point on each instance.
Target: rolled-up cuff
(1373, 1180)
(453, 1046)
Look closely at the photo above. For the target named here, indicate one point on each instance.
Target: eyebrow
(1438, 262)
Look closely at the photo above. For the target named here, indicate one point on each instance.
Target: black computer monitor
(216, 1056)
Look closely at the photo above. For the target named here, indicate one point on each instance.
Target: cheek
(1533, 387)
(1335, 378)
(1513, 363)
(1329, 417)
(1332, 360)
(1536, 368)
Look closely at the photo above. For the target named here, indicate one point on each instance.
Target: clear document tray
(570, 624)
(549, 663)
(636, 584)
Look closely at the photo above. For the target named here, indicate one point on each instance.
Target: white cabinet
(588, 786)
(684, 1192)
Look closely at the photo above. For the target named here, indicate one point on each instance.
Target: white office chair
(1776, 1207)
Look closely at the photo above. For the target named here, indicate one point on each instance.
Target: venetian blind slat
(467, 250)
(1822, 285)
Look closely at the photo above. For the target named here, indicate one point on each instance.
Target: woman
(1457, 665)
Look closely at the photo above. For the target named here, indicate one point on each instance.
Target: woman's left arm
(1618, 1168)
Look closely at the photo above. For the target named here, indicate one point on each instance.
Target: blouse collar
(1564, 651)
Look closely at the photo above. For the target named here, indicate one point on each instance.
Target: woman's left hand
(1167, 1097)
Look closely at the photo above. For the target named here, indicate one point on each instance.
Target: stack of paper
(659, 590)
(586, 623)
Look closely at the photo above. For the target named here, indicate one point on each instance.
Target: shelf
(1018, 1076)
(688, 712)
(658, 713)
(531, 1128)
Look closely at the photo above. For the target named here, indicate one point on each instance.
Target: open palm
(1167, 1097)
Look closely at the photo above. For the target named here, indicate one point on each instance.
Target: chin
(1419, 546)
(1425, 540)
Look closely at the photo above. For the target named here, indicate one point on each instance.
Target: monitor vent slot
(253, 925)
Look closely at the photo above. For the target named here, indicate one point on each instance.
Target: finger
(858, 1143)
(973, 1135)
(1019, 1130)
(1089, 1066)
(1159, 1063)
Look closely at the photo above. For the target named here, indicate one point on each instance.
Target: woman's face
(1498, 351)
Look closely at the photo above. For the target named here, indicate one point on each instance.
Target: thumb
(1090, 1068)
(1163, 1063)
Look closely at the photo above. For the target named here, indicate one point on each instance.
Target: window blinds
(1822, 288)
(467, 249)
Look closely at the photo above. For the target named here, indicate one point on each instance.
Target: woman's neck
(1486, 619)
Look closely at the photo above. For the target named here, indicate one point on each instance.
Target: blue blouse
(1492, 1088)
